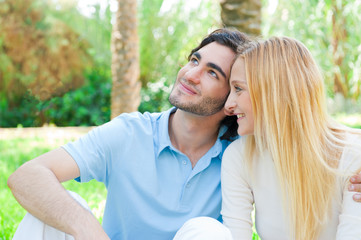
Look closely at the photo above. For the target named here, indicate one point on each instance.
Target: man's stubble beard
(206, 107)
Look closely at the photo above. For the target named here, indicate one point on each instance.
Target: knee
(203, 228)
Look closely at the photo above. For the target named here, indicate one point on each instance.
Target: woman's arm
(237, 198)
(350, 217)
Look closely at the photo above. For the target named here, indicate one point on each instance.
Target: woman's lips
(240, 116)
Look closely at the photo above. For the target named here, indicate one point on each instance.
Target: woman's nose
(229, 106)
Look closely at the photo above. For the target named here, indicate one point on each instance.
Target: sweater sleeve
(237, 196)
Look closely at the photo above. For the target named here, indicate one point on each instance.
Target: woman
(294, 162)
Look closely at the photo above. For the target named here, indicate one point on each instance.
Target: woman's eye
(238, 89)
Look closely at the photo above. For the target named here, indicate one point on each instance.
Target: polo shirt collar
(164, 140)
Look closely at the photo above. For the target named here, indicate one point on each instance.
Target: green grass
(13, 153)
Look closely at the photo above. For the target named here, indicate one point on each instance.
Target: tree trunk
(244, 15)
(339, 38)
(125, 95)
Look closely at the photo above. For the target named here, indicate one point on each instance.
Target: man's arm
(356, 187)
(37, 186)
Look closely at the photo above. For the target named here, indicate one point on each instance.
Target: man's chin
(200, 108)
(196, 110)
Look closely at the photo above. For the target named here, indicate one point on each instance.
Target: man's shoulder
(138, 117)
(135, 124)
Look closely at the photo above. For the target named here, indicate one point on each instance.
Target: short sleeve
(90, 152)
(97, 152)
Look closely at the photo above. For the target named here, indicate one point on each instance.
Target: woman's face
(239, 101)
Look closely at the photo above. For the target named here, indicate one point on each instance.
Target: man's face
(202, 84)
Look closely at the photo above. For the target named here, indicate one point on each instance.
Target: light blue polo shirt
(152, 188)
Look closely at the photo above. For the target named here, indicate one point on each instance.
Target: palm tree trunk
(244, 15)
(125, 96)
(339, 37)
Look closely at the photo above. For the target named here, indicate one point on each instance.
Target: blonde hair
(291, 122)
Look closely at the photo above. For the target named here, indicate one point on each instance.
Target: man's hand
(355, 186)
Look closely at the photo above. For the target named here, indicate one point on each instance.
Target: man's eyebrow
(218, 68)
(211, 65)
(197, 55)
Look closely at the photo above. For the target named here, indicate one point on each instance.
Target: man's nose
(194, 75)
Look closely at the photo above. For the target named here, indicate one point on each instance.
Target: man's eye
(213, 73)
(194, 61)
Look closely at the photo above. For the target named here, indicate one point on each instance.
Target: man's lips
(187, 89)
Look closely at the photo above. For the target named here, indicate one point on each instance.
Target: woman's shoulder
(236, 146)
(234, 153)
(351, 156)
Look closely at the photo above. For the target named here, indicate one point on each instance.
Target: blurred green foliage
(328, 29)
(88, 104)
(166, 37)
(39, 53)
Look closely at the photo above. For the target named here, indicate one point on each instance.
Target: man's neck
(192, 134)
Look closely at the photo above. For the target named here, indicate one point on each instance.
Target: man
(160, 169)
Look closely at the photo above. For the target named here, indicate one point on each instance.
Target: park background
(67, 66)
